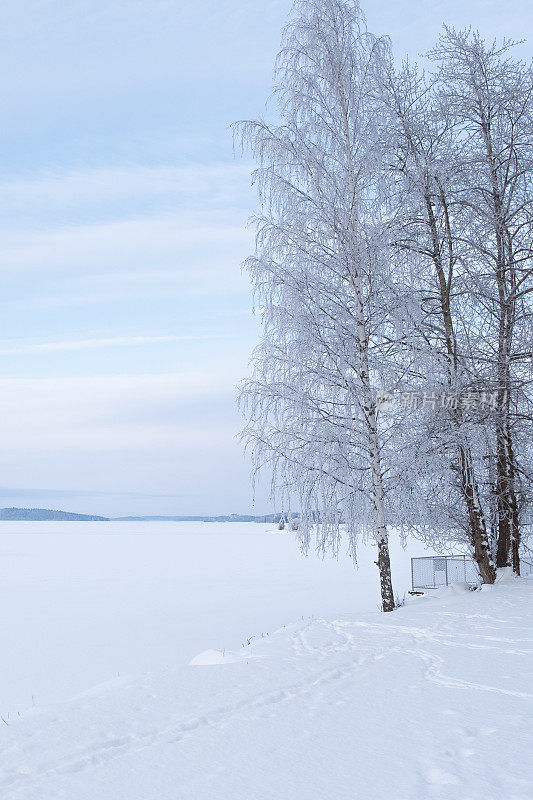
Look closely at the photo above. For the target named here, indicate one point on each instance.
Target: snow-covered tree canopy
(393, 261)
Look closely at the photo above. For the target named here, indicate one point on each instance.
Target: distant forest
(44, 514)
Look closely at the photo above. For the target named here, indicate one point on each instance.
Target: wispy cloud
(119, 189)
(87, 344)
(151, 433)
(190, 243)
(6, 491)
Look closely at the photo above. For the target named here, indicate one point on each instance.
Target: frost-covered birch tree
(428, 233)
(322, 280)
(490, 97)
(460, 147)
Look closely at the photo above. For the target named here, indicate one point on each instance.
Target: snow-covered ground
(83, 602)
(100, 624)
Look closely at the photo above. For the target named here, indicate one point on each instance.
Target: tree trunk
(479, 539)
(478, 530)
(507, 553)
(368, 404)
(371, 423)
(383, 562)
(505, 275)
(503, 550)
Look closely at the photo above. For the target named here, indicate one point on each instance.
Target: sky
(126, 317)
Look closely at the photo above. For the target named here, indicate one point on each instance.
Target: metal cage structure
(433, 572)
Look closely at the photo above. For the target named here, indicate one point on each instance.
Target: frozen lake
(81, 603)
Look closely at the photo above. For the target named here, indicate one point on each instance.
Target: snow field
(432, 702)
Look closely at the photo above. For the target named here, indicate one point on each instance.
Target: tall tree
(420, 140)
(321, 275)
(490, 97)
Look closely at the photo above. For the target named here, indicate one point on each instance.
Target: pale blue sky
(126, 320)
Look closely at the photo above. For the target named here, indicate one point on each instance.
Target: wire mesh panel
(431, 572)
(456, 570)
(422, 573)
(472, 575)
